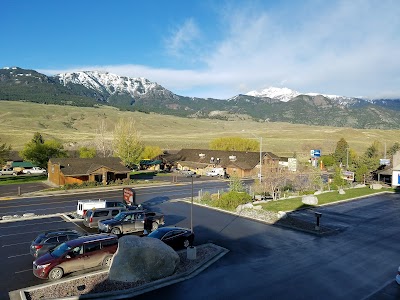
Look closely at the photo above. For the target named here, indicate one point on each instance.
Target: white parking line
(4, 235)
(30, 270)
(61, 221)
(12, 256)
(16, 244)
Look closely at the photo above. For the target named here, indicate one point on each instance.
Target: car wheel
(107, 261)
(56, 274)
(116, 231)
(154, 226)
(29, 173)
(186, 243)
(15, 174)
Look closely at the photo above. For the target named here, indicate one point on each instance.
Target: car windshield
(60, 250)
(120, 216)
(156, 234)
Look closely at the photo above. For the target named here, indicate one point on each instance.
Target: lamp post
(191, 209)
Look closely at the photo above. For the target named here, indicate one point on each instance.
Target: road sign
(315, 153)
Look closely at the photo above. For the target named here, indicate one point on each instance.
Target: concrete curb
(129, 293)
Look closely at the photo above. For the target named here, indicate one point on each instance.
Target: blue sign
(316, 153)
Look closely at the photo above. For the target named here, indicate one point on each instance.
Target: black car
(48, 240)
(175, 237)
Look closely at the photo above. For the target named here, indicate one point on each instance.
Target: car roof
(170, 228)
(90, 238)
(59, 232)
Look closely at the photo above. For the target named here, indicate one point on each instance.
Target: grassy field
(325, 198)
(77, 126)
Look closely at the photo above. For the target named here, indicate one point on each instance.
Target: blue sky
(209, 48)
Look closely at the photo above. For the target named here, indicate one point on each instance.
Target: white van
(217, 172)
(84, 205)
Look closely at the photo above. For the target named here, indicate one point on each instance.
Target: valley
(78, 126)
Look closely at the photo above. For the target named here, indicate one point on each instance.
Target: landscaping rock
(359, 186)
(243, 206)
(282, 215)
(28, 215)
(375, 186)
(142, 258)
(342, 192)
(309, 199)
(257, 207)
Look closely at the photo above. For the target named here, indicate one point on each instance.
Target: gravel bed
(99, 283)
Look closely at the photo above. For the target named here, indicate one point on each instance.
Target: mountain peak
(283, 94)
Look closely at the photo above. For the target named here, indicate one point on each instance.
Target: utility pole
(260, 158)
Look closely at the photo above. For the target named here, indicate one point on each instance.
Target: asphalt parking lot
(358, 261)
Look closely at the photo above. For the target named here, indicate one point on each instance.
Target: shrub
(231, 200)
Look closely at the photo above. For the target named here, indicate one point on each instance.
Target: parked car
(48, 240)
(76, 255)
(94, 215)
(175, 237)
(8, 171)
(34, 170)
(131, 221)
(189, 173)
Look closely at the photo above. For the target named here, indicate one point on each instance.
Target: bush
(231, 200)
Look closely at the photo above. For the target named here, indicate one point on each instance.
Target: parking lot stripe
(13, 256)
(13, 226)
(30, 270)
(16, 244)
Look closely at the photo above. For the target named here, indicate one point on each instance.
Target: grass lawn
(330, 197)
(21, 179)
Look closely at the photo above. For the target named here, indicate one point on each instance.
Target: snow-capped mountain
(286, 94)
(283, 94)
(111, 83)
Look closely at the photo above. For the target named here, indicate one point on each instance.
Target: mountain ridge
(92, 88)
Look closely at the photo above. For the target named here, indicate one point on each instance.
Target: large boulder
(142, 258)
(376, 186)
(309, 199)
(244, 206)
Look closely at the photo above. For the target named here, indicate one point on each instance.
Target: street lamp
(191, 209)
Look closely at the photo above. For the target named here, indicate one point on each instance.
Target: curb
(129, 293)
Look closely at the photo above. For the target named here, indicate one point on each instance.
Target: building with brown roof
(63, 171)
(241, 163)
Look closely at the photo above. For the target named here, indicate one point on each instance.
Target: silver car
(93, 216)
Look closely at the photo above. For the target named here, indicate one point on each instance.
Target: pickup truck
(34, 170)
(131, 221)
(8, 171)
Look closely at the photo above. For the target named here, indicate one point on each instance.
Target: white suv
(8, 171)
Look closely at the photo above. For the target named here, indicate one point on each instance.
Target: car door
(128, 223)
(175, 238)
(73, 260)
(168, 238)
(139, 221)
(93, 256)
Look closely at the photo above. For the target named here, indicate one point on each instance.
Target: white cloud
(343, 47)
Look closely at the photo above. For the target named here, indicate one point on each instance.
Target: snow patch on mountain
(112, 83)
(283, 94)
(286, 94)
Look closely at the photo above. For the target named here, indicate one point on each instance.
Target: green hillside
(77, 126)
